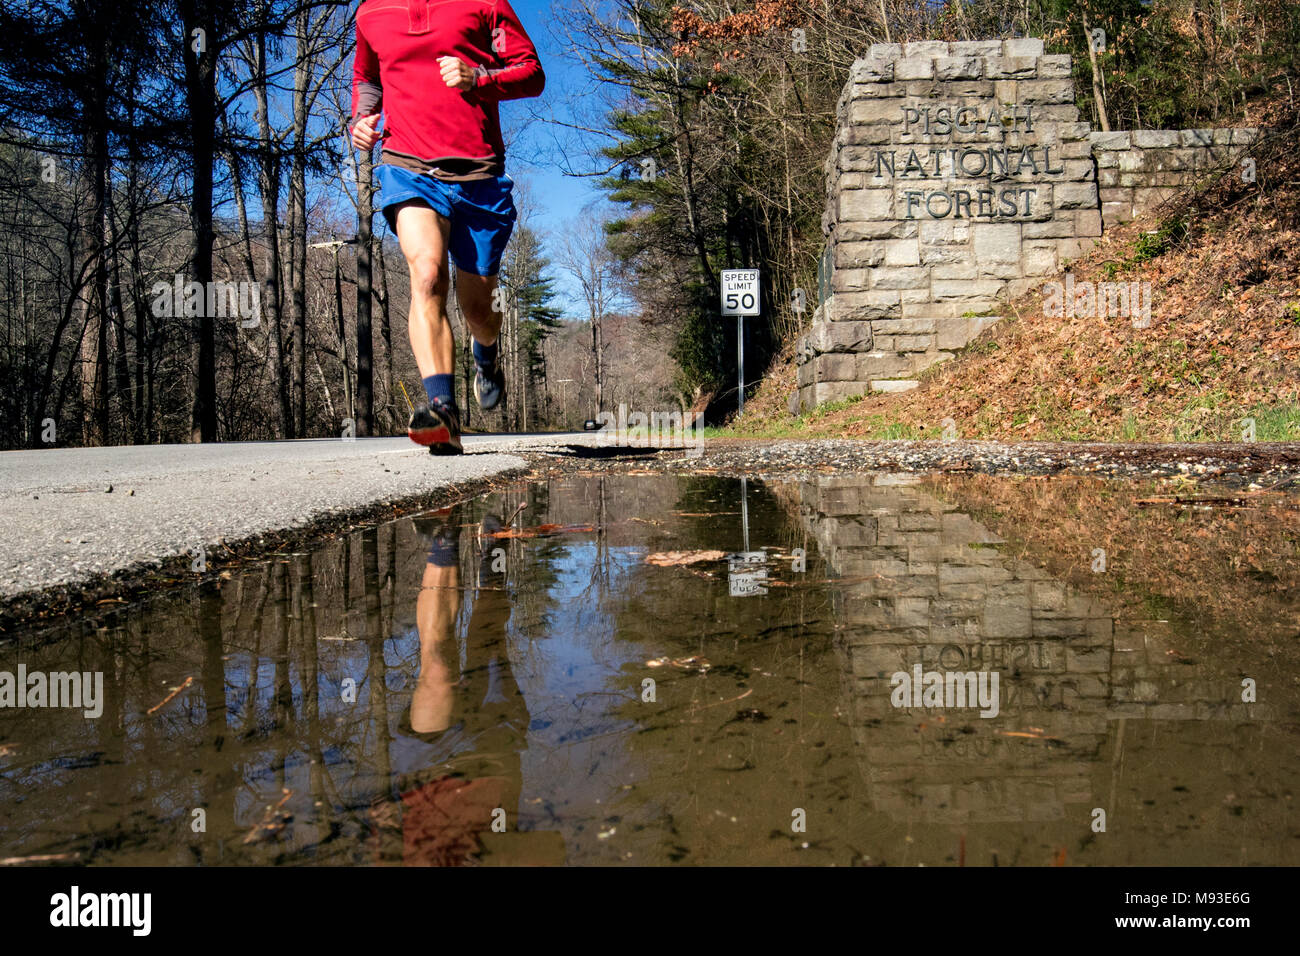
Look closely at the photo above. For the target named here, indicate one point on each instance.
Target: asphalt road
(63, 525)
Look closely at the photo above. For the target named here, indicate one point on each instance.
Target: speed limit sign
(740, 298)
(740, 292)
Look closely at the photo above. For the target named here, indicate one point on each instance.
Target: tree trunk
(1098, 93)
(365, 423)
(201, 98)
(597, 348)
(298, 238)
(121, 366)
(269, 189)
(349, 397)
(386, 337)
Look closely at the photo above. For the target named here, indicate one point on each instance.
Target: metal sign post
(740, 297)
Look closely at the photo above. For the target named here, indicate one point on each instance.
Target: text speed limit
(740, 292)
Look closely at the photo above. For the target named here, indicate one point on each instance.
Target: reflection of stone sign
(930, 593)
(960, 177)
(994, 655)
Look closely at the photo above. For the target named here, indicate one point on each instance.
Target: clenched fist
(364, 135)
(456, 72)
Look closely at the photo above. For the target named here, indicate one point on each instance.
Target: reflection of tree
(249, 622)
(600, 567)
(376, 764)
(281, 690)
(532, 564)
(309, 662)
(219, 796)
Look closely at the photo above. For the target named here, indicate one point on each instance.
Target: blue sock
(485, 355)
(444, 551)
(441, 386)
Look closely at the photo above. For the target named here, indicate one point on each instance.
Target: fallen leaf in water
(682, 663)
(385, 813)
(40, 858)
(273, 820)
(668, 559)
(168, 699)
(541, 530)
(1019, 733)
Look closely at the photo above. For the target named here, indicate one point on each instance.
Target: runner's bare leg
(436, 609)
(423, 235)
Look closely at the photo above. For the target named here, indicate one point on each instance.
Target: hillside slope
(1221, 350)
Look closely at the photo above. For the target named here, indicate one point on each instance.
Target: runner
(437, 69)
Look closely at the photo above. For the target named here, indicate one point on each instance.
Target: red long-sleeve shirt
(432, 127)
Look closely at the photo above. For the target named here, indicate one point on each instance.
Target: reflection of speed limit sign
(740, 292)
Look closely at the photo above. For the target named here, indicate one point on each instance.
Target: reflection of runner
(439, 71)
(478, 709)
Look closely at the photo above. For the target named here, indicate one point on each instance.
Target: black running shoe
(489, 385)
(438, 426)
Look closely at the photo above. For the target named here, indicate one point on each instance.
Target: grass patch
(1153, 245)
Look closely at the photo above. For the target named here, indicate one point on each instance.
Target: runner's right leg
(423, 234)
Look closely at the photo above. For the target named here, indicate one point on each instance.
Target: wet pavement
(652, 669)
(84, 518)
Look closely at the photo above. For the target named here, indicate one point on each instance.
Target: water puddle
(655, 669)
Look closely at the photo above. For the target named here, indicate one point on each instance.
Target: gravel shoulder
(1253, 465)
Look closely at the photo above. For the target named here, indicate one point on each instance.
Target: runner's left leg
(476, 295)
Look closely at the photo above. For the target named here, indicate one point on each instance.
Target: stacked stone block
(1139, 170)
(925, 245)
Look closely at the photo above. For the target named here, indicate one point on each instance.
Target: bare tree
(585, 255)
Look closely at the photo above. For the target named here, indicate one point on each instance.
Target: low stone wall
(1139, 170)
(960, 177)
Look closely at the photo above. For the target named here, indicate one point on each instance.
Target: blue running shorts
(482, 212)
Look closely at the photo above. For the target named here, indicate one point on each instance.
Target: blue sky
(556, 198)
